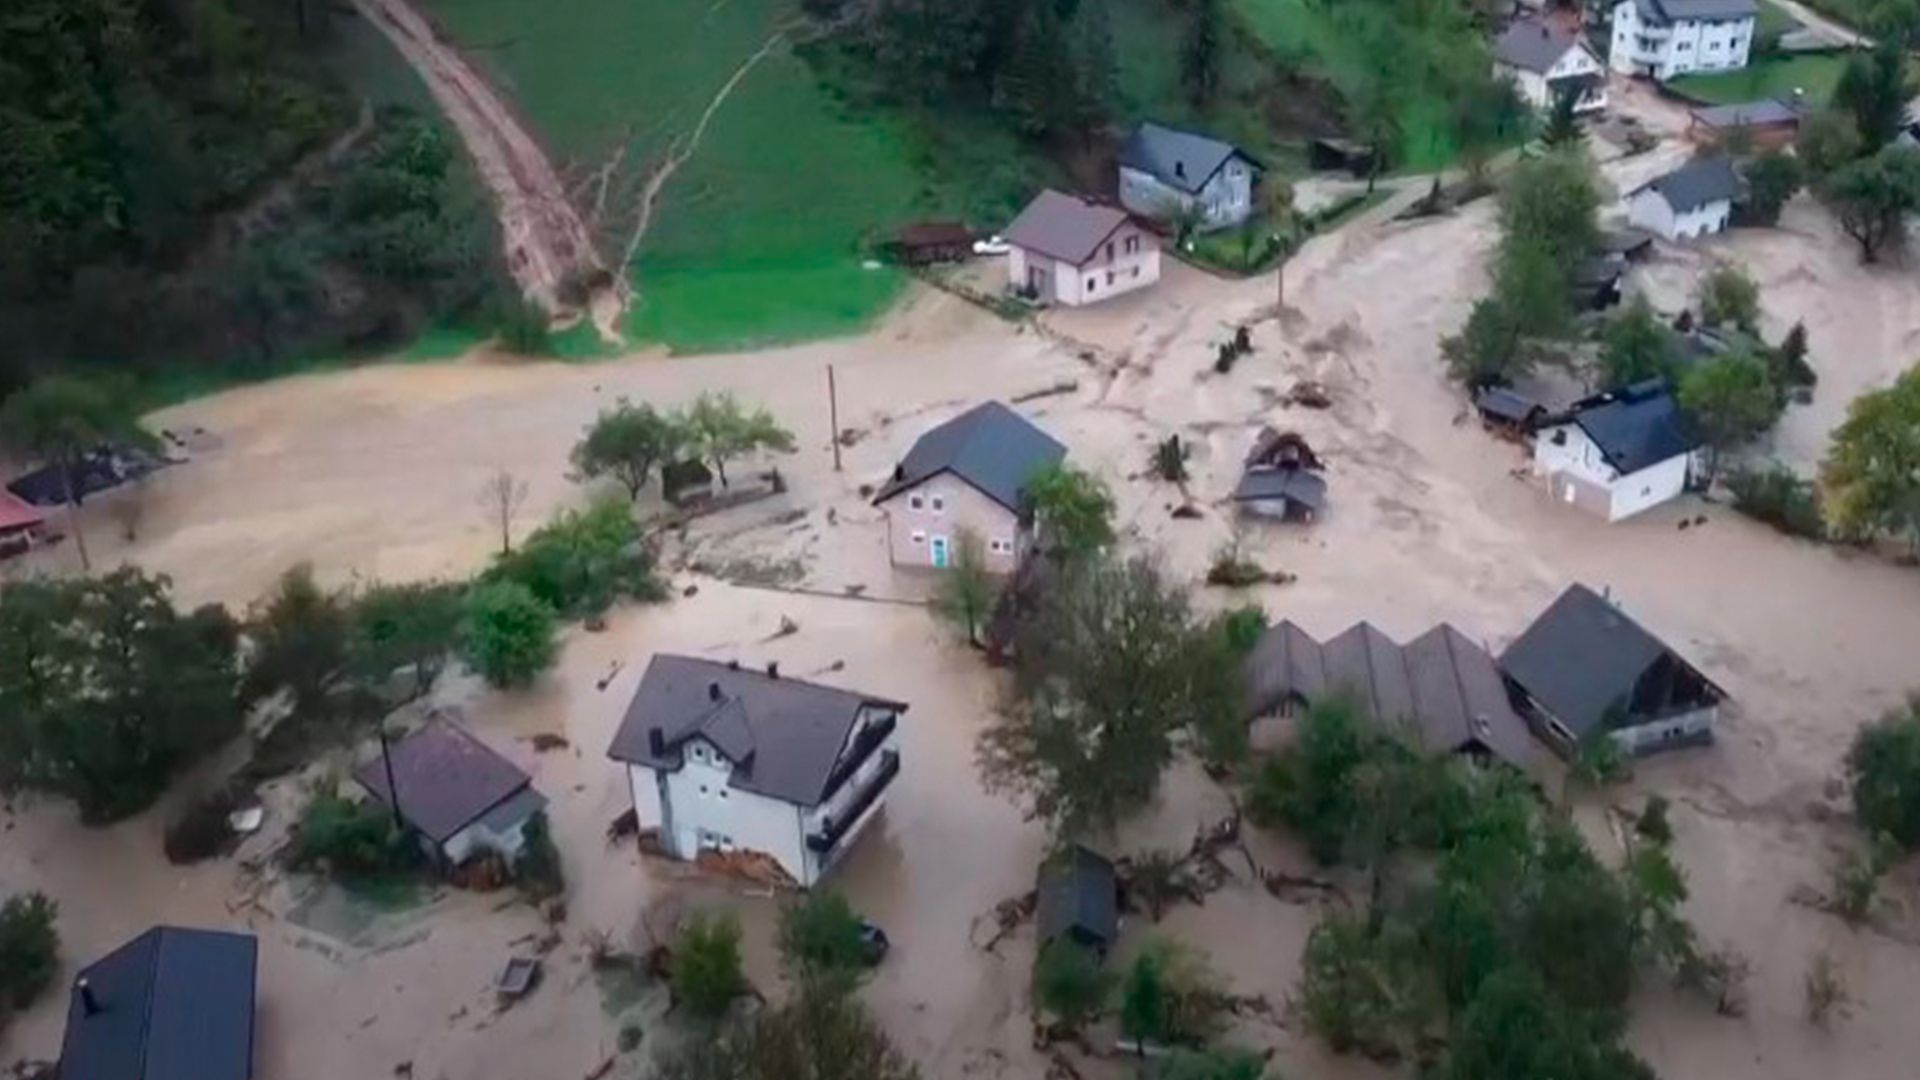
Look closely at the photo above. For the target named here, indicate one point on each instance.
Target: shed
(1297, 494)
(926, 242)
(1507, 410)
(1768, 123)
(172, 1004)
(1079, 899)
(1332, 153)
(459, 795)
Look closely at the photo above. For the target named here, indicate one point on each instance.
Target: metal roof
(1695, 184)
(1534, 45)
(1582, 658)
(1748, 114)
(989, 446)
(783, 736)
(447, 778)
(1064, 226)
(1635, 427)
(1673, 11)
(1297, 485)
(1078, 897)
(1179, 159)
(1505, 404)
(172, 1004)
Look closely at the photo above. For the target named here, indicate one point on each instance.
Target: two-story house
(729, 759)
(967, 475)
(1166, 173)
(1693, 200)
(1619, 453)
(1665, 38)
(1063, 249)
(1547, 60)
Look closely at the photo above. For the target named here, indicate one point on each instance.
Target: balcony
(835, 824)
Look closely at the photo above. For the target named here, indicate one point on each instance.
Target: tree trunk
(73, 517)
(1280, 280)
(720, 470)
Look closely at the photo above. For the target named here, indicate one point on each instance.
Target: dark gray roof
(989, 446)
(1505, 404)
(1672, 11)
(1287, 662)
(1581, 658)
(172, 1004)
(447, 778)
(1366, 663)
(1180, 159)
(783, 736)
(1064, 227)
(1638, 426)
(1078, 897)
(1695, 184)
(1534, 45)
(1748, 114)
(1298, 485)
(1461, 701)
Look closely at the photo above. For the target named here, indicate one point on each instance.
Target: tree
(398, 627)
(1873, 196)
(347, 838)
(925, 48)
(1870, 480)
(1143, 1002)
(1728, 296)
(627, 442)
(29, 951)
(1884, 767)
(1372, 106)
(1360, 990)
(61, 419)
(301, 636)
(1874, 89)
(820, 1032)
(1828, 140)
(706, 964)
(1068, 983)
(537, 867)
(1106, 668)
(1097, 83)
(509, 634)
(583, 561)
(1201, 53)
(1550, 203)
(1637, 345)
(1787, 362)
(1219, 1064)
(1513, 1030)
(1531, 282)
(722, 430)
(821, 936)
(1772, 179)
(1488, 351)
(106, 690)
(1486, 114)
(1155, 877)
(967, 590)
(1073, 510)
(1563, 124)
(1731, 398)
(501, 497)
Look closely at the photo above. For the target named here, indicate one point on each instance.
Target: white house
(1664, 38)
(1692, 201)
(1619, 453)
(1545, 60)
(969, 474)
(722, 758)
(458, 796)
(1166, 172)
(1066, 250)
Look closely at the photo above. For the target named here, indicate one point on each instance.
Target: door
(939, 548)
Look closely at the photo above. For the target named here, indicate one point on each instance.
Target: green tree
(106, 690)
(509, 634)
(1873, 196)
(820, 1032)
(1828, 141)
(821, 936)
(1514, 1031)
(926, 49)
(1311, 789)
(537, 868)
(1489, 350)
(1073, 509)
(1563, 125)
(1097, 87)
(1372, 105)
(706, 964)
(583, 561)
(1874, 89)
(1551, 202)
(1360, 991)
(29, 951)
(1884, 767)
(1637, 345)
(1870, 480)
(1028, 84)
(1068, 983)
(302, 638)
(627, 442)
(1532, 284)
(1201, 54)
(1772, 179)
(1787, 363)
(1143, 1001)
(347, 838)
(405, 627)
(967, 590)
(1216, 1064)
(61, 419)
(1731, 398)
(723, 430)
(1487, 114)
(1728, 296)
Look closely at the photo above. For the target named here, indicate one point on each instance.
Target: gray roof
(1461, 701)
(1673, 11)
(991, 447)
(1287, 662)
(1695, 184)
(1078, 897)
(783, 736)
(1064, 227)
(447, 778)
(1748, 114)
(1534, 45)
(1505, 404)
(1637, 426)
(1180, 159)
(1296, 485)
(1582, 658)
(172, 1004)
(1366, 663)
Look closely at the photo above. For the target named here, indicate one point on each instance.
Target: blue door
(940, 552)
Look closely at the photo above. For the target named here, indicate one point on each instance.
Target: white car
(992, 245)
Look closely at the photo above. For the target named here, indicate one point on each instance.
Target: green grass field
(1775, 78)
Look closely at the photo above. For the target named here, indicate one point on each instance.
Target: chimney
(713, 691)
(773, 669)
(88, 1003)
(656, 742)
(1180, 169)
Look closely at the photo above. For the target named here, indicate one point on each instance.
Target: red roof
(17, 514)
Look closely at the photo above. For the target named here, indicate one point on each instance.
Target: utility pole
(393, 789)
(833, 415)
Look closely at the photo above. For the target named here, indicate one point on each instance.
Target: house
(1584, 668)
(1078, 897)
(1330, 154)
(21, 525)
(926, 242)
(1166, 173)
(1546, 60)
(1595, 282)
(1441, 690)
(1281, 478)
(967, 475)
(1665, 38)
(1694, 200)
(1507, 412)
(1619, 453)
(172, 1004)
(1770, 124)
(727, 759)
(96, 471)
(1063, 249)
(458, 796)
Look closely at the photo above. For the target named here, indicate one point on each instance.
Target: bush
(1653, 824)
(1730, 297)
(1359, 990)
(1068, 983)
(1781, 499)
(1884, 765)
(1242, 627)
(582, 562)
(706, 965)
(347, 838)
(29, 951)
(537, 868)
(202, 830)
(523, 327)
(510, 634)
(821, 935)
(1170, 459)
(1219, 1064)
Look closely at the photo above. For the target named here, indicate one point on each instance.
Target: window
(1109, 277)
(1109, 252)
(1000, 547)
(699, 752)
(723, 793)
(939, 504)
(915, 502)
(1133, 244)
(1136, 273)
(1091, 284)
(919, 536)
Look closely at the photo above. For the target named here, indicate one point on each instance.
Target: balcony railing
(833, 827)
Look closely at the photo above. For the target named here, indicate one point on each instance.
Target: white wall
(1685, 729)
(1627, 495)
(707, 813)
(947, 505)
(1649, 487)
(1110, 271)
(1664, 51)
(476, 838)
(1227, 198)
(816, 867)
(1649, 210)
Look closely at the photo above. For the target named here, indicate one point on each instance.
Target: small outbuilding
(1328, 154)
(1769, 124)
(1281, 479)
(926, 242)
(172, 1004)
(1692, 201)
(459, 796)
(1507, 412)
(1079, 899)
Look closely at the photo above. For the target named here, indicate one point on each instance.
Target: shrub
(523, 327)
(1653, 824)
(1242, 627)
(347, 838)
(821, 935)
(1884, 765)
(582, 562)
(537, 868)
(1218, 1064)
(1826, 990)
(1357, 989)
(1068, 983)
(1781, 499)
(1170, 459)
(706, 965)
(510, 634)
(201, 831)
(29, 951)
